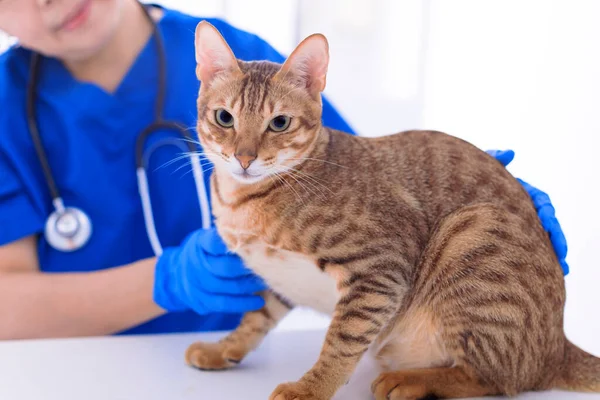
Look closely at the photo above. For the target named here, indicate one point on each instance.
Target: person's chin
(90, 38)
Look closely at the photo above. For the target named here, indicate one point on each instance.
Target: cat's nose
(245, 160)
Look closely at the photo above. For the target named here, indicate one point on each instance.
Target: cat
(425, 250)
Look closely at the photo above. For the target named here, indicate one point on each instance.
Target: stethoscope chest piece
(68, 229)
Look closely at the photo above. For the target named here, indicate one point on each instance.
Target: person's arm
(34, 304)
(199, 275)
(545, 210)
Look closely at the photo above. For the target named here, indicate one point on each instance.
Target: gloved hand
(203, 276)
(544, 208)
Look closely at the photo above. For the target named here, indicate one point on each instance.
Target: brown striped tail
(581, 371)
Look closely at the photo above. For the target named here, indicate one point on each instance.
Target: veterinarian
(104, 227)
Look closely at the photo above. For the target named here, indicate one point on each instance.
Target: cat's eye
(280, 123)
(224, 118)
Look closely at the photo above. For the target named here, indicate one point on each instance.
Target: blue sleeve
(18, 215)
(249, 47)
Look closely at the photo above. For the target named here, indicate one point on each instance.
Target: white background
(519, 74)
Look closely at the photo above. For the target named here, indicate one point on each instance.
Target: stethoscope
(69, 228)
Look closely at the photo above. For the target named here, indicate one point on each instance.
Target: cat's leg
(372, 287)
(444, 383)
(495, 293)
(230, 350)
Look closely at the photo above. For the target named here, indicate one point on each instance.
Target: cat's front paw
(397, 386)
(295, 391)
(213, 356)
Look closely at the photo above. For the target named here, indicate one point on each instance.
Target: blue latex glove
(544, 208)
(203, 276)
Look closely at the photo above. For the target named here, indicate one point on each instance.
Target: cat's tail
(580, 371)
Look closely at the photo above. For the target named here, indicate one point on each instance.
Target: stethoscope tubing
(71, 242)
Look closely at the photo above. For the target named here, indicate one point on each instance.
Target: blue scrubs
(89, 136)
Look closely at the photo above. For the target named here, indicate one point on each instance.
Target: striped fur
(427, 253)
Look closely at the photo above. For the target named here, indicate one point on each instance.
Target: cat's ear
(309, 62)
(213, 54)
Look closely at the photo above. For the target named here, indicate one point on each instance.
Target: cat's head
(256, 119)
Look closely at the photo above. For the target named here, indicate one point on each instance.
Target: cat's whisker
(309, 189)
(322, 194)
(196, 142)
(191, 128)
(172, 161)
(199, 153)
(187, 139)
(317, 159)
(276, 176)
(310, 180)
(320, 181)
(206, 154)
(304, 179)
(188, 163)
(192, 169)
(271, 178)
(209, 169)
(281, 81)
(291, 187)
(290, 92)
(184, 155)
(317, 185)
(280, 179)
(311, 186)
(203, 151)
(176, 159)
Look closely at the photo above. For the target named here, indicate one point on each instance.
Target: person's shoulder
(14, 70)
(14, 67)
(245, 45)
(15, 59)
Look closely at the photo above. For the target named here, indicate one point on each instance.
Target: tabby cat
(424, 249)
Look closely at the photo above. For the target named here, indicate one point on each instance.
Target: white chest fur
(292, 275)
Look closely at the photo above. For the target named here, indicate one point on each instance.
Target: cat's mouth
(247, 177)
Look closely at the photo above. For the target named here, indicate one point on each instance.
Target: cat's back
(439, 170)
